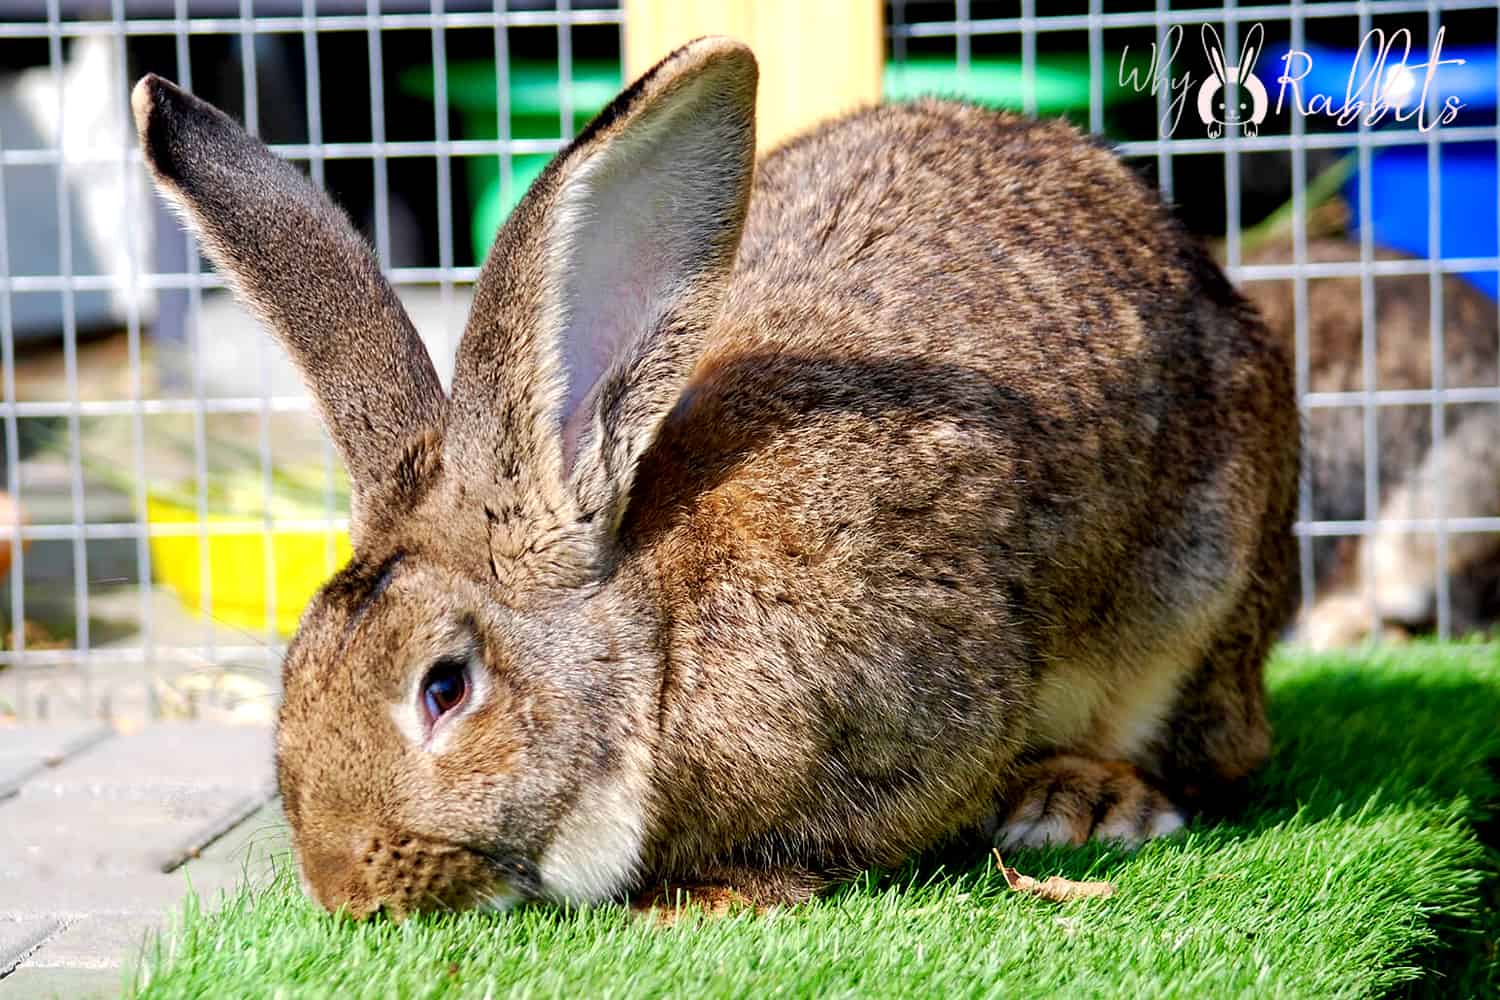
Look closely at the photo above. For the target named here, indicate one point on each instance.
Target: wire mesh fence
(176, 501)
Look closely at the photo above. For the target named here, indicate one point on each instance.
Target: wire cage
(176, 502)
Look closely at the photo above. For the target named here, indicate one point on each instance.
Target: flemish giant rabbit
(782, 519)
(1385, 583)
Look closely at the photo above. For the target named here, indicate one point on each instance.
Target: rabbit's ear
(1213, 47)
(589, 315)
(1249, 52)
(301, 266)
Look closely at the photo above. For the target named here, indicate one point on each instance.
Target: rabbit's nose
(400, 873)
(338, 877)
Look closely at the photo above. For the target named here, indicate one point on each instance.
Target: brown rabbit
(782, 520)
(1386, 582)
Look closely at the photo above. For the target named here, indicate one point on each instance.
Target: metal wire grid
(37, 674)
(911, 20)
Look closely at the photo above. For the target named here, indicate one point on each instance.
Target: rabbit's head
(460, 718)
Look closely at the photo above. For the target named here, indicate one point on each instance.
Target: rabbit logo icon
(1234, 95)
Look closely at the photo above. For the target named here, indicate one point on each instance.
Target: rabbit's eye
(444, 688)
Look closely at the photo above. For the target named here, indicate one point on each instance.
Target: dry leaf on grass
(1053, 887)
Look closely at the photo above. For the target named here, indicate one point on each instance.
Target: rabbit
(921, 482)
(1384, 585)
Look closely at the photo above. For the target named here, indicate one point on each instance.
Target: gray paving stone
(28, 749)
(85, 846)
(115, 895)
(168, 755)
(96, 942)
(19, 937)
(202, 837)
(68, 984)
(45, 833)
(260, 840)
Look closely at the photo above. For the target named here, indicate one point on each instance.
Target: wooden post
(818, 58)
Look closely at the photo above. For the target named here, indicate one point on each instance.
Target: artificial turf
(1360, 867)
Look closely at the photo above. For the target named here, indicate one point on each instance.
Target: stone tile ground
(103, 833)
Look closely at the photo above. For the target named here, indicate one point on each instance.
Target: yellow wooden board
(818, 58)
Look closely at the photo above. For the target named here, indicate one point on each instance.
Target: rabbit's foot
(719, 890)
(1069, 799)
(667, 904)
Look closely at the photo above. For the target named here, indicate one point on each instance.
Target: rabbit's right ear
(1249, 52)
(301, 266)
(590, 314)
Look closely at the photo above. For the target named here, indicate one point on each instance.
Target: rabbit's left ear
(1214, 49)
(1249, 52)
(589, 315)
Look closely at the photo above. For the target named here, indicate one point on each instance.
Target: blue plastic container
(1467, 171)
(1468, 213)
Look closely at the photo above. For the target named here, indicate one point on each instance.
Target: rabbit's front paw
(717, 890)
(1068, 799)
(666, 905)
(1340, 621)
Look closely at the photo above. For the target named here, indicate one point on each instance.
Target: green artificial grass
(1358, 868)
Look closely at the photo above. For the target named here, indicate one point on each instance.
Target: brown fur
(1388, 581)
(967, 458)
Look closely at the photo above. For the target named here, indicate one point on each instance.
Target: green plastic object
(1061, 82)
(1061, 86)
(535, 97)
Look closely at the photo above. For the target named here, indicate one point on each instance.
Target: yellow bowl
(237, 567)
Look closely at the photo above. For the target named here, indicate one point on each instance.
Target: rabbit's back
(953, 286)
(928, 227)
(981, 453)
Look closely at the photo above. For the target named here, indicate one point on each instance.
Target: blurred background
(169, 500)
